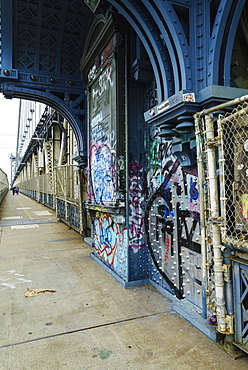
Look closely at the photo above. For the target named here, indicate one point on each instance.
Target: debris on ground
(34, 292)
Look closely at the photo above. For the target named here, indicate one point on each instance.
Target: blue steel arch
(139, 17)
(222, 40)
(42, 42)
(228, 45)
(65, 107)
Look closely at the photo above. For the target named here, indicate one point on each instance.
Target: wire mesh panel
(67, 184)
(60, 181)
(233, 133)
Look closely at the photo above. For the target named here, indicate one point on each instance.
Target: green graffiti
(103, 353)
(154, 155)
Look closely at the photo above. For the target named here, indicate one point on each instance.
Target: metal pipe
(222, 179)
(216, 236)
(238, 113)
(228, 283)
(223, 105)
(202, 216)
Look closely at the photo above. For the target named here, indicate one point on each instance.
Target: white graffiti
(136, 200)
(104, 82)
(11, 278)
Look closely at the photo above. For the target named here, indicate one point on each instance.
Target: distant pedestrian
(13, 190)
(17, 190)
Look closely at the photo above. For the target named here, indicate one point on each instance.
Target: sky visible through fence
(9, 110)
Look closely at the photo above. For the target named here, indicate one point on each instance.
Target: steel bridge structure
(130, 149)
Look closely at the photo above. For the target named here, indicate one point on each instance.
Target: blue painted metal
(74, 215)
(174, 37)
(145, 27)
(200, 40)
(222, 39)
(6, 53)
(240, 278)
(61, 209)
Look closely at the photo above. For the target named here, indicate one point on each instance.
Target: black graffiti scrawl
(172, 228)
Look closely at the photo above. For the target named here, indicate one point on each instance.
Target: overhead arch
(66, 107)
(222, 40)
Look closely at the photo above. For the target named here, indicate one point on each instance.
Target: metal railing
(61, 191)
(4, 185)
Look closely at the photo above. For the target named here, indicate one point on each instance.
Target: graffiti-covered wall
(106, 160)
(172, 219)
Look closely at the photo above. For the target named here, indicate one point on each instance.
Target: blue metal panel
(61, 209)
(240, 278)
(6, 52)
(74, 215)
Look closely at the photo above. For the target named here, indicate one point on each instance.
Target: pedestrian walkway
(85, 319)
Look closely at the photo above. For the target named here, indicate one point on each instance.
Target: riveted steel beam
(222, 39)
(146, 28)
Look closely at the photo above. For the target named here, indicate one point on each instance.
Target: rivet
(6, 72)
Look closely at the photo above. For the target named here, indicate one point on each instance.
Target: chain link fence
(233, 134)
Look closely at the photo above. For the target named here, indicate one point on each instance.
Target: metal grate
(244, 306)
(233, 133)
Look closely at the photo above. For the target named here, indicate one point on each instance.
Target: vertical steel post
(202, 216)
(215, 227)
(81, 230)
(126, 160)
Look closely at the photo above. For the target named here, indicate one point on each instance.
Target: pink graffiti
(167, 250)
(136, 219)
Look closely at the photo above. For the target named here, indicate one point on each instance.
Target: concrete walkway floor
(90, 321)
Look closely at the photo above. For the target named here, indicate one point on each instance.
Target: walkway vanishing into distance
(89, 321)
